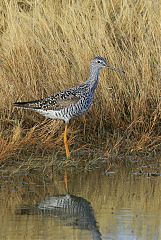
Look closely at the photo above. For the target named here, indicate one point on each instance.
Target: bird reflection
(72, 210)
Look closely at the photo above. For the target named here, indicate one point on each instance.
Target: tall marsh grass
(46, 46)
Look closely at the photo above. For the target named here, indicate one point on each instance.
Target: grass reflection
(125, 205)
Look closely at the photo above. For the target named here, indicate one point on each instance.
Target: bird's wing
(56, 102)
(60, 103)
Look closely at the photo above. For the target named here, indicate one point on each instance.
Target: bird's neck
(93, 78)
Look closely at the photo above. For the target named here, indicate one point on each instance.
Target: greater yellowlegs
(71, 102)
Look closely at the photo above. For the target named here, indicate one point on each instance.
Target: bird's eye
(99, 61)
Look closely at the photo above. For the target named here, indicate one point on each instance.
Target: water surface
(116, 206)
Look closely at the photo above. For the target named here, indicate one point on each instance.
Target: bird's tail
(26, 105)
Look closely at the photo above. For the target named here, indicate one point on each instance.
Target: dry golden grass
(46, 47)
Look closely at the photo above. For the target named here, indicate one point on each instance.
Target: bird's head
(100, 62)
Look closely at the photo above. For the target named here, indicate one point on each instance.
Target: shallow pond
(117, 206)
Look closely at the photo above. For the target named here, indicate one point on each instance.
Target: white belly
(51, 114)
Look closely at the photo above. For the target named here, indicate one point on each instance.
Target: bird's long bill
(119, 70)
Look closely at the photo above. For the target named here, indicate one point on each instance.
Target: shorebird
(71, 102)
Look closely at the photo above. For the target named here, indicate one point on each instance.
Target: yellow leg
(67, 156)
(66, 142)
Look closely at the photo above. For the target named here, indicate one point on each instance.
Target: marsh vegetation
(46, 46)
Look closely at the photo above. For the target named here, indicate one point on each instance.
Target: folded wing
(56, 102)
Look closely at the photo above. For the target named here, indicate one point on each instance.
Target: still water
(36, 206)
